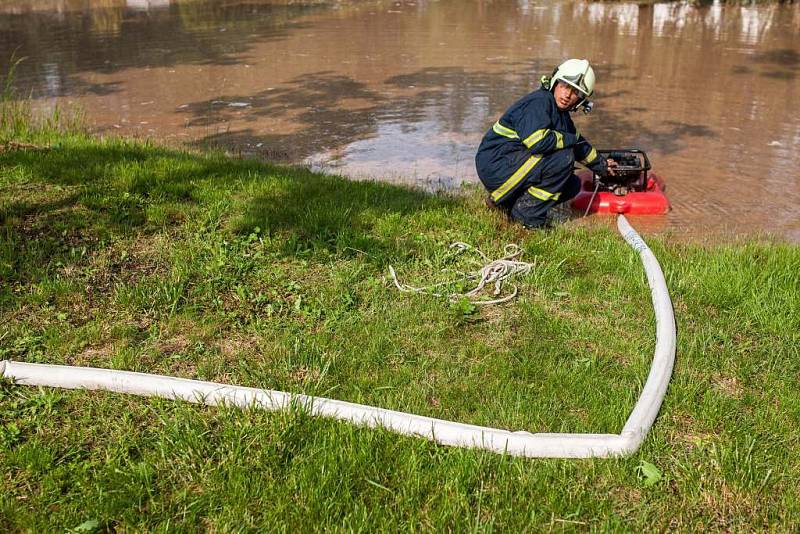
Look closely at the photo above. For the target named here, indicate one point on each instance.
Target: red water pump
(632, 189)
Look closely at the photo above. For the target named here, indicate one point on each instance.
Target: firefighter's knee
(568, 154)
(561, 161)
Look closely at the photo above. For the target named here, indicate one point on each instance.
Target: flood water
(405, 90)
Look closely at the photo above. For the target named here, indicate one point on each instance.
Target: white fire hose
(444, 432)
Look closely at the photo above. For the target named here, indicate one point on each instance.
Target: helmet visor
(580, 92)
(575, 82)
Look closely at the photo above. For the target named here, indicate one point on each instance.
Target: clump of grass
(20, 124)
(15, 114)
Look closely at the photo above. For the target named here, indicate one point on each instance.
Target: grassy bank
(131, 256)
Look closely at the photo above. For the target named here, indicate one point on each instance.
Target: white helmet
(577, 73)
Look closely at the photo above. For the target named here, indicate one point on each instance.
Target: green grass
(128, 255)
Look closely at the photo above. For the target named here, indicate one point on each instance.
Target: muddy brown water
(403, 91)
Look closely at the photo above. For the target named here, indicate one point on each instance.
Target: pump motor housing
(631, 189)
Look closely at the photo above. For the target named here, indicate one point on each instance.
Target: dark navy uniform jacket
(530, 130)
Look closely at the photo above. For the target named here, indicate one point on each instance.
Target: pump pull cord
(591, 200)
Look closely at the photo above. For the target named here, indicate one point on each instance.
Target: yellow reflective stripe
(541, 194)
(499, 129)
(535, 137)
(520, 173)
(559, 139)
(577, 134)
(590, 157)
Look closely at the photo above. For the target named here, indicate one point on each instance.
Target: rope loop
(494, 272)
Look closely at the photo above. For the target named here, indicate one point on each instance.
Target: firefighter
(526, 159)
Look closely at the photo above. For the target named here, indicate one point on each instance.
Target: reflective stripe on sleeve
(590, 157)
(559, 139)
(535, 137)
(515, 178)
(541, 194)
(499, 129)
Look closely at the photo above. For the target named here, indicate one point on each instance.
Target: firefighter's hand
(611, 166)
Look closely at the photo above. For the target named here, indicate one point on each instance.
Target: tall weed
(19, 121)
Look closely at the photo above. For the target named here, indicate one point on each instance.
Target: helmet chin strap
(585, 104)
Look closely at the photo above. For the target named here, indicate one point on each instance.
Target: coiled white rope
(494, 272)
